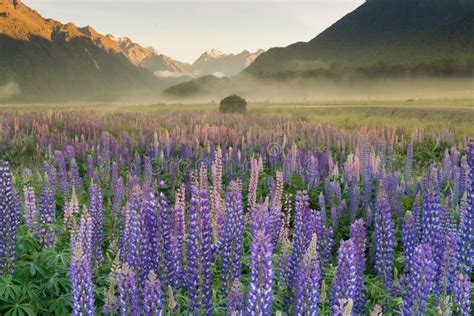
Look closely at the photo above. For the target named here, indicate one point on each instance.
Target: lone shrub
(233, 104)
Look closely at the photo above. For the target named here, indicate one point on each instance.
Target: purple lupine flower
(299, 240)
(90, 167)
(179, 232)
(70, 152)
(343, 307)
(420, 280)
(152, 302)
(46, 216)
(232, 236)
(217, 212)
(432, 211)
(354, 199)
(344, 286)
(119, 191)
(325, 238)
(115, 174)
(433, 233)
(9, 220)
(448, 265)
(390, 157)
(147, 172)
(104, 156)
(193, 251)
(199, 252)
(252, 195)
(71, 208)
(334, 217)
(275, 209)
(61, 172)
(368, 186)
(308, 287)
(260, 218)
(465, 238)
(31, 211)
(409, 239)
(284, 262)
(448, 222)
(51, 173)
(416, 211)
(358, 235)
(129, 294)
(462, 294)
(133, 230)
(456, 185)
(408, 169)
(206, 255)
(311, 169)
(80, 273)
(384, 237)
(150, 247)
(464, 174)
(364, 158)
(74, 177)
(235, 299)
(322, 207)
(167, 261)
(136, 165)
(96, 213)
(260, 295)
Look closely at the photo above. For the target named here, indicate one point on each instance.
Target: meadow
(318, 208)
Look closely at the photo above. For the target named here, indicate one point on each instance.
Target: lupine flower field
(184, 213)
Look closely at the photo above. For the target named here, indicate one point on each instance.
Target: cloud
(8, 90)
(218, 74)
(167, 74)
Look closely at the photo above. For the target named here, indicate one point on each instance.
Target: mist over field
(310, 89)
(9, 90)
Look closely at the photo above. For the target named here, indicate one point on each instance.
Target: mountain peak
(214, 53)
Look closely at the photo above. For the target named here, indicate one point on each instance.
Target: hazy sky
(185, 29)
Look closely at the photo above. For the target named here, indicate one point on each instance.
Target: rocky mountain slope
(48, 60)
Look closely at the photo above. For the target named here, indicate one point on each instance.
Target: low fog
(325, 89)
(8, 90)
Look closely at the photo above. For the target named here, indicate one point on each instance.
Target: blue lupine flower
(358, 235)
(384, 238)
(345, 286)
(420, 280)
(462, 294)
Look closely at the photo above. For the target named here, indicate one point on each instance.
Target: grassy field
(455, 115)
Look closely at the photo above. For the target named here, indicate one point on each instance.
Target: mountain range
(382, 31)
(211, 62)
(44, 59)
(379, 39)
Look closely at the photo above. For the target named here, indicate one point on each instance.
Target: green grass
(455, 115)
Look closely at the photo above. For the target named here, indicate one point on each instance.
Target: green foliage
(40, 284)
(428, 151)
(233, 104)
